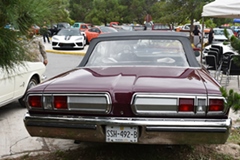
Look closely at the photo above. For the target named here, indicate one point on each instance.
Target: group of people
(197, 37)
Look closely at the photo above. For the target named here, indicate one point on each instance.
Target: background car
(15, 83)
(36, 29)
(71, 38)
(219, 36)
(81, 26)
(97, 30)
(55, 28)
(162, 27)
(132, 87)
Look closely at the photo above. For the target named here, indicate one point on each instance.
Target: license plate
(121, 134)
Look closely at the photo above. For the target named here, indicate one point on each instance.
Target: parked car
(162, 27)
(97, 30)
(81, 26)
(186, 28)
(36, 29)
(55, 28)
(219, 36)
(132, 87)
(15, 83)
(71, 38)
(236, 30)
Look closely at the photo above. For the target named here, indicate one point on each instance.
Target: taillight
(216, 105)
(35, 101)
(186, 105)
(60, 102)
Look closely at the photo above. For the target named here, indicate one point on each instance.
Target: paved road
(14, 139)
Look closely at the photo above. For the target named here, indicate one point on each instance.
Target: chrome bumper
(151, 130)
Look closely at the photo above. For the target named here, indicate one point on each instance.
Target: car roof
(144, 33)
(70, 29)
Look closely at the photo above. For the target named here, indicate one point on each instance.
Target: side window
(83, 26)
(187, 27)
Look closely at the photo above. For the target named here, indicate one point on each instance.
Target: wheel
(33, 82)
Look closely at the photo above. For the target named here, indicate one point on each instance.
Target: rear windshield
(138, 52)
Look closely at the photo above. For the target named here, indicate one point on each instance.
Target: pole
(202, 40)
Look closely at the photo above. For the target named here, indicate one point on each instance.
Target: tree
(22, 15)
(79, 9)
(105, 11)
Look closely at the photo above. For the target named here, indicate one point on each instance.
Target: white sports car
(14, 84)
(71, 38)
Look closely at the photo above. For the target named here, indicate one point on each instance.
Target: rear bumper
(151, 130)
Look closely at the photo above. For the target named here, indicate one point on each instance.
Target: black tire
(33, 82)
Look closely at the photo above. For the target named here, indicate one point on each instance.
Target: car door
(7, 83)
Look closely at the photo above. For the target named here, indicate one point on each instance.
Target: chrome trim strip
(85, 108)
(185, 129)
(155, 104)
(176, 122)
(163, 107)
(62, 125)
(151, 130)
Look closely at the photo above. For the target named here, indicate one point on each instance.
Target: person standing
(210, 36)
(44, 31)
(34, 48)
(196, 36)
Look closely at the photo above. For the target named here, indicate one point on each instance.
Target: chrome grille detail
(167, 104)
(89, 102)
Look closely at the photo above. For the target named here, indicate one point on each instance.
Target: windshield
(69, 32)
(108, 29)
(161, 26)
(138, 52)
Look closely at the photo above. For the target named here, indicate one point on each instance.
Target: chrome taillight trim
(217, 112)
(30, 107)
(169, 104)
(97, 103)
(74, 101)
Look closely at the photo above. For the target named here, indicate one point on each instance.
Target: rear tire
(33, 82)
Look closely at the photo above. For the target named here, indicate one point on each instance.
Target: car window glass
(161, 26)
(76, 25)
(108, 29)
(139, 52)
(69, 32)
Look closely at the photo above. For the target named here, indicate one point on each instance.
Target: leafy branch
(232, 99)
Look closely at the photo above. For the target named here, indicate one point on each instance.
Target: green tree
(79, 9)
(140, 8)
(105, 11)
(22, 15)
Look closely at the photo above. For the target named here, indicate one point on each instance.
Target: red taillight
(216, 105)
(60, 102)
(186, 105)
(35, 101)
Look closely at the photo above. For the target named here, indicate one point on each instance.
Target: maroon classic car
(132, 87)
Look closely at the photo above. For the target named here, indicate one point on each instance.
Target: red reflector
(35, 101)
(216, 105)
(186, 105)
(60, 102)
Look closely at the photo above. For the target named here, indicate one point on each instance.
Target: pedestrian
(44, 31)
(34, 48)
(196, 36)
(210, 36)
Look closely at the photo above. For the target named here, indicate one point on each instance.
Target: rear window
(139, 52)
(161, 26)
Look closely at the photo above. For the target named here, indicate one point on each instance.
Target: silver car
(219, 35)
